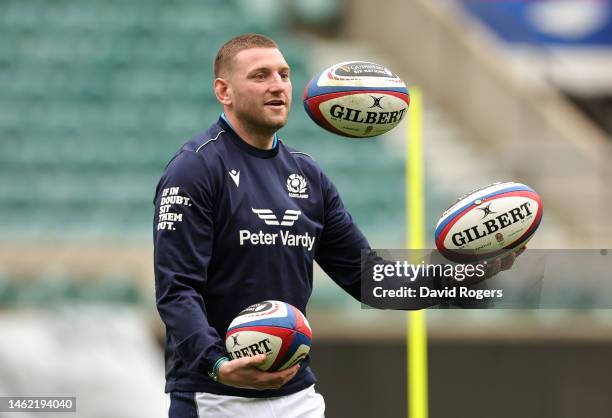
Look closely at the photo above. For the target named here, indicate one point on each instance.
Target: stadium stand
(98, 95)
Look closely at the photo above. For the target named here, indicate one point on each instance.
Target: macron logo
(235, 175)
(270, 218)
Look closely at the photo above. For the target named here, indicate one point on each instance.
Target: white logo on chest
(283, 237)
(235, 175)
(270, 218)
(297, 187)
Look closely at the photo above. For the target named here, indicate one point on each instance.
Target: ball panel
(271, 311)
(358, 74)
(257, 340)
(533, 228)
(285, 350)
(359, 113)
(300, 354)
(473, 215)
(284, 322)
(312, 109)
(314, 88)
(301, 323)
(287, 357)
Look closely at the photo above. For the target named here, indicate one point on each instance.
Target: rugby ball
(356, 99)
(277, 329)
(489, 222)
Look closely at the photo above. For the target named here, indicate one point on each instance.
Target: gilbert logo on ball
(489, 222)
(277, 329)
(356, 99)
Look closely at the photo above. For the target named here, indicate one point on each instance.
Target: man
(225, 205)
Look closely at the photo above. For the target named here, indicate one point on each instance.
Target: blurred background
(96, 96)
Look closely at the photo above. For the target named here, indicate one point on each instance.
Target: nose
(278, 83)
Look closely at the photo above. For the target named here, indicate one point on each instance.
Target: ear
(223, 91)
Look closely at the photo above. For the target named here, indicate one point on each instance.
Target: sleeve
(341, 243)
(345, 255)
(183, 239)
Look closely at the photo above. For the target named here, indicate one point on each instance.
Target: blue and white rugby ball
(489, 222)
(357, 99)
(277, 329)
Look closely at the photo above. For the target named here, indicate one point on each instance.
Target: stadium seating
(96, 97)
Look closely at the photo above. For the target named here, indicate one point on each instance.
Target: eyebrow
(286, 68)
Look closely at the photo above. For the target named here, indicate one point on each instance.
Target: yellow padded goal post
(416, 333)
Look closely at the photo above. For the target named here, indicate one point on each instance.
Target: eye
(285, 76)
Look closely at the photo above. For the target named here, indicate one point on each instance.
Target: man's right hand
(243, 373)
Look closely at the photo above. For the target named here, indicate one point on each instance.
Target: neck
(254, 136)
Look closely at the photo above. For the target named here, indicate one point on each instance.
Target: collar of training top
(246, 147)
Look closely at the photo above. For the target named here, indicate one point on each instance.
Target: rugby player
(240, 218)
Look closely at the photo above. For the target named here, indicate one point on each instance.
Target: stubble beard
(260, 124)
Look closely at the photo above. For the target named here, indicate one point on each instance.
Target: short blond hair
(239, 43)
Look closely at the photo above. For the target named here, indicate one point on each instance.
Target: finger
(508, 261)
(257, 379)
(494, 267)
(250, 362)
(280, 375)
(271, 381)
(289, 373)
(277, 379)
(494, 264)
(294, 370)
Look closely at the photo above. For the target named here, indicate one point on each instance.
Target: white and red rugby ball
(357, 99)
(488, 222)
(274, 328)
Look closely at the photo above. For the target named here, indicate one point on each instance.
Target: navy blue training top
(235, 225)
